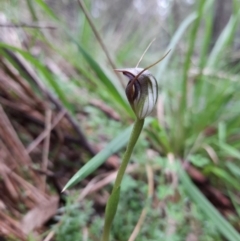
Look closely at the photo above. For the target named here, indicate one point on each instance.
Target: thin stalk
(113, 202)
(27, 25)
(32, 10)
(99, 38)
(137, 128)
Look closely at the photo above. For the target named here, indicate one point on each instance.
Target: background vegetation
(62, 105)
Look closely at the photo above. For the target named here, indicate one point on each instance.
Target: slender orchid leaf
(223, 226)
(114, 146)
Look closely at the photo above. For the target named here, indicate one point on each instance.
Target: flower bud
(142, 92)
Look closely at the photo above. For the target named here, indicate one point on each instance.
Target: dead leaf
(39, 215)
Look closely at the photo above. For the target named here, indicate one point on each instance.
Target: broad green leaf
(112, 90)
(114, 146)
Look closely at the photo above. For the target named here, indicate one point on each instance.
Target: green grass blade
(235, 201)
(233, 168)
(206, 43)
(229, 150)
(208, 20)
(223, 40)
(223, 175)
(114, 146)
(222, 133)
(175, 39)
(46, 9)
(187, 63)
(117, 95)
(32, 10)
(40, 67)
(223, 226)
(110, 87)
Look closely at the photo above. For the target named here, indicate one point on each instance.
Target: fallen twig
(43, 135)
(26, 68)
(141, 219)
(27, 25)
(46, 145)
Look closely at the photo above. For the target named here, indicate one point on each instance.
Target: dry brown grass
(25, 205)
(32, 124)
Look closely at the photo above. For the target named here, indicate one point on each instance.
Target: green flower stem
(112, 203)
(137, 128)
